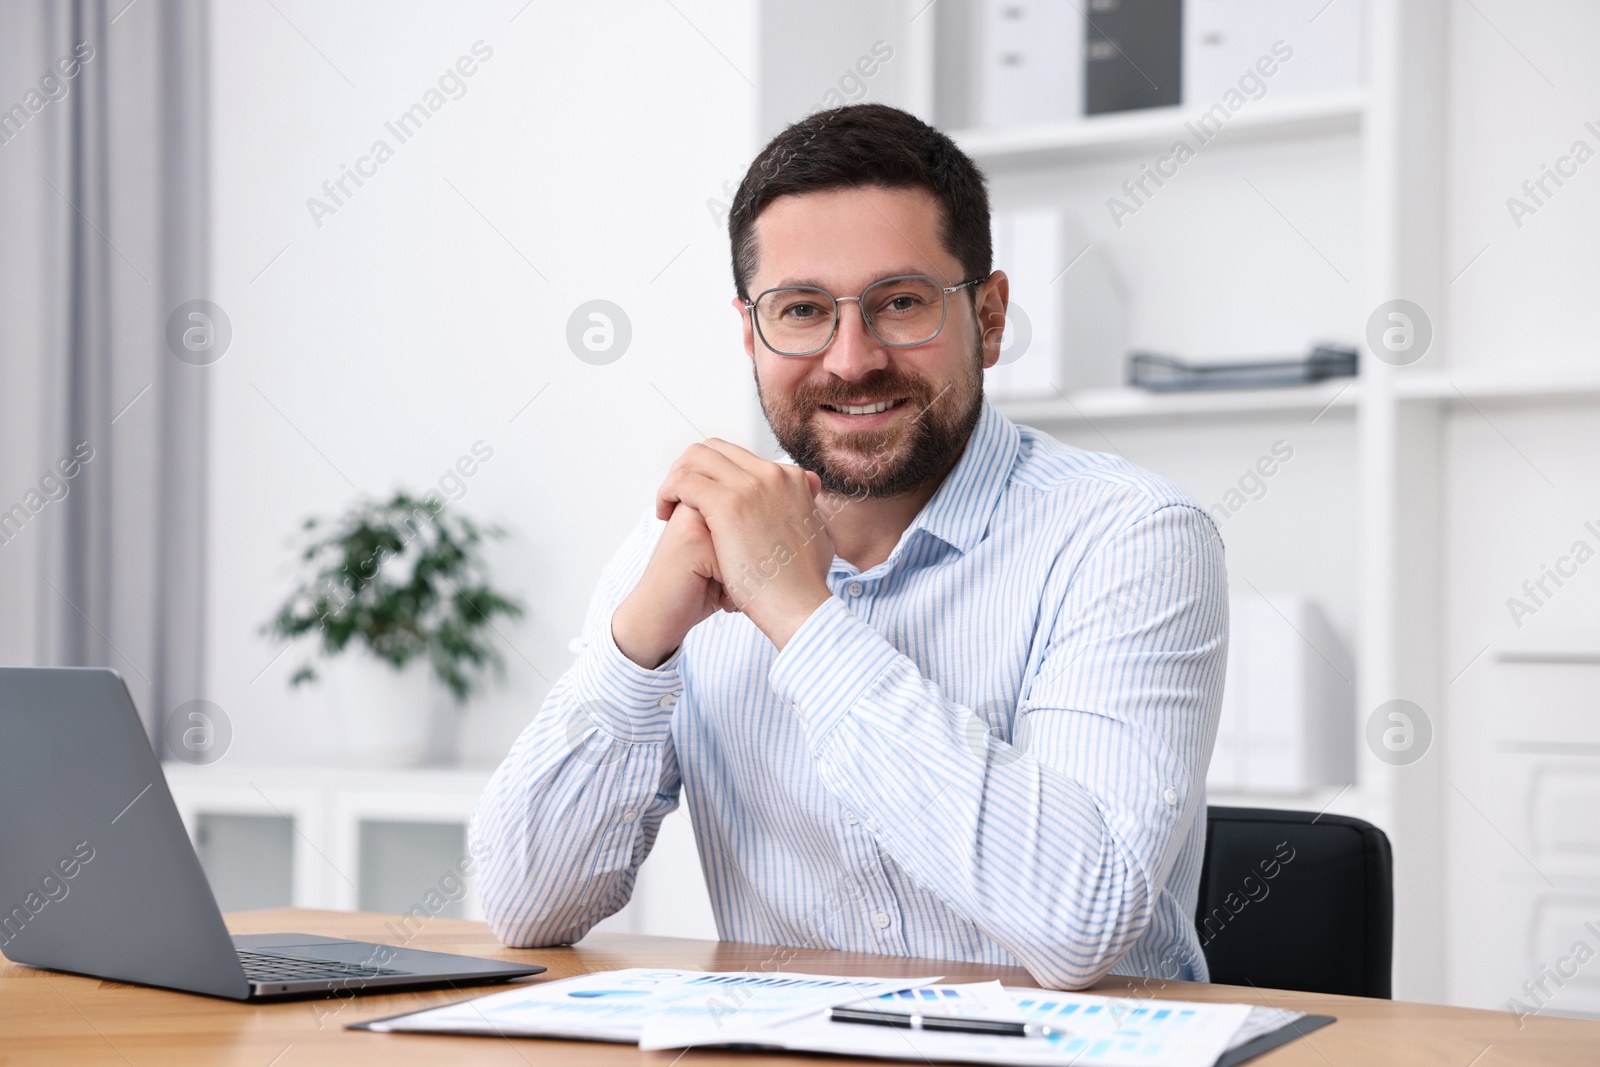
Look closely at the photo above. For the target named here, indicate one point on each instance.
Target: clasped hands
(743, 534)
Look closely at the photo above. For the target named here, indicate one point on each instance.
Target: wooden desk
(48, 1018)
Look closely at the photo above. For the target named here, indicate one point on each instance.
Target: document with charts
(1085, 1030)
(615, 1005)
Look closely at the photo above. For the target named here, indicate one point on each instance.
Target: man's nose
(854, 352)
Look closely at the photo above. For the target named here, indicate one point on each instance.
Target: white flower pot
(389, 718)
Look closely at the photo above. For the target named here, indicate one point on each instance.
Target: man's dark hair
(865, 144)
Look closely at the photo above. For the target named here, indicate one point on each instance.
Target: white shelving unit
(1371, 423)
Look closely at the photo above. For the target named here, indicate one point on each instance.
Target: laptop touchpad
(338, 952)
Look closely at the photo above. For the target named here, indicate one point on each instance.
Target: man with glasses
(938, 686)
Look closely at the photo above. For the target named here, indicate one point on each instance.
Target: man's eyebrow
(897, 272)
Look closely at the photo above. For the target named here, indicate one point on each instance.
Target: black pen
(947, 1023)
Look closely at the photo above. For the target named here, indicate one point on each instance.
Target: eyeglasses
(800, 320)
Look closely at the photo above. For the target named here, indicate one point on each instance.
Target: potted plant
(404, 581)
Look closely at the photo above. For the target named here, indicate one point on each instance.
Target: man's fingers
(707, 467)
(724, 462)
(685, 462)
(741, 456)
(706, 495)
(719, 460)
(697, 462)
(754, 468)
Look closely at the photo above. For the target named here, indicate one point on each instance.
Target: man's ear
(749, 327)
(992, 298)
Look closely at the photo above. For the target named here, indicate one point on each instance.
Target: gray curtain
(102, 427)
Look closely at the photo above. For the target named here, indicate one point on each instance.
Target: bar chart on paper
(1080, 1030)
(615, 1005)
(1112, 1033)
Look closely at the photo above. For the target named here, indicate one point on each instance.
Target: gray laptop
(97, 875)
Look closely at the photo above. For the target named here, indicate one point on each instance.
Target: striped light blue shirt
(989, 747)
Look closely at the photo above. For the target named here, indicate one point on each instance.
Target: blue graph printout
(615, 1005)
(1084, 1030)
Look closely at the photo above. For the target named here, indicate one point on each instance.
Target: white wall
(373, 351)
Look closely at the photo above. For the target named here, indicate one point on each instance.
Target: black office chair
(1297, 900)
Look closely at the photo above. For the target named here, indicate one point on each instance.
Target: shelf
(1340, 395)
(1155, 129)
(1127, 405)
(1536, 383)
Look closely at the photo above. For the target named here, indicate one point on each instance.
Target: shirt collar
(958, 512)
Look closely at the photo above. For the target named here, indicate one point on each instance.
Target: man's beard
(895, 460)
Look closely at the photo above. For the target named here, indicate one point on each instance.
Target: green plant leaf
(406, 579)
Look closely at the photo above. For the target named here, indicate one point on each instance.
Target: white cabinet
(388, 841)
(371, 840)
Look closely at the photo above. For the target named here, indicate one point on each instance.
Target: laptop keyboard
(271, 967)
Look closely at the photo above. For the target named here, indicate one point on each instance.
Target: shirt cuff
(828, 665)
(631, 703)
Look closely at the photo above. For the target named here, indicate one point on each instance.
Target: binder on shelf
(1027, 246)
(1167, 374)
(1066, 325)
(1287, 710)
(1133, 55)
(1280, 48)
(1029, 67)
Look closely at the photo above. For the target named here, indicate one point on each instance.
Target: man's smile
(863, 415)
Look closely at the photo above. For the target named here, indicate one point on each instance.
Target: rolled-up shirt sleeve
(1056, 842)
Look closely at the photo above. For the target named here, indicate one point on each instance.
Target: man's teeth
(862, 409)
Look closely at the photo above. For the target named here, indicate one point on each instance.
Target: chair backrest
(1297, 900)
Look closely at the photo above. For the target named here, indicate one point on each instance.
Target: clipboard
(1269, 1041)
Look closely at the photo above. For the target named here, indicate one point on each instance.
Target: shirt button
(667, 701)
(1170, 795)
(850, 817)
(853, 589)
(881, 921)
(628, 815)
